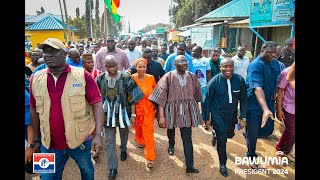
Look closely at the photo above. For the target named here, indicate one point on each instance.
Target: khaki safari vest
(77, 112)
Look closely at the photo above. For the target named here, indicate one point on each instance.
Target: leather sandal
(150, 164)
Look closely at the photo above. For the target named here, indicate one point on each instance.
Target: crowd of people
(77, 95)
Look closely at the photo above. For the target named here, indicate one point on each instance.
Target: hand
(242, 124)
(208, 124)
(265, 116)
(132, 121)
(280, 115)
(162, 123)
(128, 71)
(29, 152)
(97, 144)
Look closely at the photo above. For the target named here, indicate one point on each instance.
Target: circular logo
(44, 162)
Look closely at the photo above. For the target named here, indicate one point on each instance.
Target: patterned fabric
(180, 102)
(117, 101)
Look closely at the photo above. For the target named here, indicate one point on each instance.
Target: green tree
(79, 23)
(97, 21)
(41, 11)
(183, 11)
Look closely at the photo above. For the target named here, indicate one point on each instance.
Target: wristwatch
(134, 115)
(101, 134)
(30, 145)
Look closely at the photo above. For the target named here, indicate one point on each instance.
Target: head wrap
(136, 62)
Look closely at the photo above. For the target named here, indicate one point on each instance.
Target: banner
(269, 13)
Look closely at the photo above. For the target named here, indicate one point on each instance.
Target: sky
(138, 12)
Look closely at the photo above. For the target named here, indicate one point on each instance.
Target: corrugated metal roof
(233, 9)
(36, 18)
(49, 23)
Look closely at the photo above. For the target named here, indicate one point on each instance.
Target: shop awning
(240, 24)
(185, 33)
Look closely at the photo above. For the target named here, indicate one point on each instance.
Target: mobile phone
(239, 126)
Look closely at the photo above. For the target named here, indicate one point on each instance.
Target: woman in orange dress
(145, 112)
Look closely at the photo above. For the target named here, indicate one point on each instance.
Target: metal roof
(36, 18)
(49, 23)
(235, 9)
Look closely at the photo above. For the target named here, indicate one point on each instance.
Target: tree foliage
(150, 27)
(79, 23)
(183, 11)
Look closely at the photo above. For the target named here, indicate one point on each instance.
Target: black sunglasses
(110, 41)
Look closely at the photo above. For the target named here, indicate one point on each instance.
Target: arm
(243, 103)
(291, 75)
(98, 64)
(259, 93)
(279, 113)
(133, 118)
(126, 63)
(208, 73)
(161, 117)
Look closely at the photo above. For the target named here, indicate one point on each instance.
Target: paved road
(173, 167)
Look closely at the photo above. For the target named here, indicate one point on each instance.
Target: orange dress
(145, 112)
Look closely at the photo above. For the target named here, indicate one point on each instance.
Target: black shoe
(223, 170)
(192, 170)
(214, 139)
(113, 173)
(171, 150)
(123, 155)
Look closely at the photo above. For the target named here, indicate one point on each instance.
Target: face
(112, 67)
(141, 68)
(54, 58)
(88, 65)
(163, 49)
(74, 56)
(189, 48)
(131, 45)
(181, 65)
(147, 56)
(277, 54)
(81, 49)
(96, 48)
(181, 50)
(240, 52)
(195, 53)
(154, 53)
(144, 43)
(34, 56)
(171, 50)
(227, 69)
(149, 43)
(215, 56)
(269, 53)
(110, 43)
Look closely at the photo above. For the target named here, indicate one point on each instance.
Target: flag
(112, 6)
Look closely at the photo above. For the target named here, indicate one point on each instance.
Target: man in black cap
(287, 55)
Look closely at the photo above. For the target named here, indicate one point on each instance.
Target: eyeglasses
(110, 41)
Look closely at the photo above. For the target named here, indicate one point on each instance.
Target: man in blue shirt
(74, 58)
(169, 65)
(261, 82)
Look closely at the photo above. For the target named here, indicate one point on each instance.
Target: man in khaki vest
(65, 107)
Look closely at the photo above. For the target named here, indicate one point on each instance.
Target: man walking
(119, 93)
(177, 94)
(65, 107)
(224, 92)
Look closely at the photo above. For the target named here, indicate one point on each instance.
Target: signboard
(269, 13)
(160, 30)
(202, 36)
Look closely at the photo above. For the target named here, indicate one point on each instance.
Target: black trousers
(186, 133)
(222, 145)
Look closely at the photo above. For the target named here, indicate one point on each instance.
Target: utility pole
(90, 18)
(65, 9)
(64, 31)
